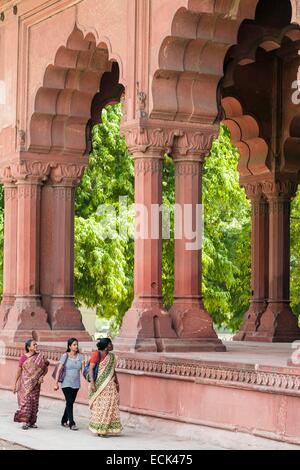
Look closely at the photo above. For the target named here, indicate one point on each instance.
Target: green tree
(295, 254)
(103, 256)
(227, 236)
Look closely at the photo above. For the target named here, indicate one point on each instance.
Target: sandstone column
(146, 325)
(191, 321)
(278, 323)
(10, 246)
(259, 263)
(58, 252)
(27, 317)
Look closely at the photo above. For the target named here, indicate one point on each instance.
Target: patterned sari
(104, 403)
(33, 369)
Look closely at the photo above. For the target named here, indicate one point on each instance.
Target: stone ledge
(262, 378)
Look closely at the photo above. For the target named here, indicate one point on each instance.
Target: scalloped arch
(191, 59)
(244, 131)
(63, 104)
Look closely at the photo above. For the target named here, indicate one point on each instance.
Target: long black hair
(28, 344)
(103, 343)
(70, 342)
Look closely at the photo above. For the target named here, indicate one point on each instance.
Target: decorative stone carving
(280, 189)
(35, 171)
(65, 174)
(6, 175)
(180, 140)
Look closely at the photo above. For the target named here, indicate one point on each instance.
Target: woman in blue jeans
(73, 363)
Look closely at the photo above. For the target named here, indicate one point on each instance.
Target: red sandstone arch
(244, 131)
(63, 104)
(191, 59)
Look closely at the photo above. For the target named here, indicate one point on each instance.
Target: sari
(104, 403)
(33, 368)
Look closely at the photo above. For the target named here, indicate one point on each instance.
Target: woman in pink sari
(32, 368)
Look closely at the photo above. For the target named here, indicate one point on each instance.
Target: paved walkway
(139, 433)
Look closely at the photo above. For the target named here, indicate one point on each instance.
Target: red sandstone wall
(213, 403)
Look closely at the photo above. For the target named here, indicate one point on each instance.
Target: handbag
(86, 370)
(62, 371)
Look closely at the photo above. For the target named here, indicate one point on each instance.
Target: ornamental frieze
(274, 381)
(63, 193)
(185, 168)
(10, 192)
(144, 166)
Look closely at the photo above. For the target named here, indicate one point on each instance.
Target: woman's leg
(70, 395)
(35, 398)
(73, 398)
(65, 416)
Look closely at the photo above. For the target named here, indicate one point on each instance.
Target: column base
(278, 324)
(47, 336)
(146, 327)
(4, 310)
(194, 326)
(27, 314)
(250, 322)
(64, 315)
(164, 345)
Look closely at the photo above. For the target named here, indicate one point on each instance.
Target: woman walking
(104, 391)
(72, 362)
(32, 368)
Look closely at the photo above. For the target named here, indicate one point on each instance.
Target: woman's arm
(56, 386)
(91, 374)
(117, 382)
(18, 375)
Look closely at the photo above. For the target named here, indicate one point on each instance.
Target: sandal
(25, 427)
(65, 425)
(74, 427)
(33, 426)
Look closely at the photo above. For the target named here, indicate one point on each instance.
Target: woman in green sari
(104, 391)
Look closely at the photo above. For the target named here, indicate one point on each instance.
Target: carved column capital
(6, 176)
(30, 172)
(191, 145)
(254, 191)
(283, 190)
(143, 139)
(182, 140)
(66, 174)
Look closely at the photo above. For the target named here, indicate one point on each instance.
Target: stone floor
(139, 433)
(5, 445)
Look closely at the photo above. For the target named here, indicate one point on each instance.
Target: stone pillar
(192, 323)
(57, 287)
(279, 323)
(9, 248)
(146, 325)
(27, 317)
(259, 263)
